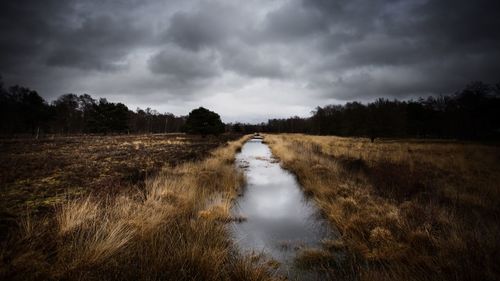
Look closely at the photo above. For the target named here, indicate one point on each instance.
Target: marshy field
(165, 207)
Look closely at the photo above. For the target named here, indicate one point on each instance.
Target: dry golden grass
(406, 210)
(172, 230)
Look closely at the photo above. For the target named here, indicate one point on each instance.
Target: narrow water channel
(280, 220)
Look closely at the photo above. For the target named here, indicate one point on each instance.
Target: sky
(248, 60)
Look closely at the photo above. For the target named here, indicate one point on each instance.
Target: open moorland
(157, 207)
(37, 174)
(405, 209)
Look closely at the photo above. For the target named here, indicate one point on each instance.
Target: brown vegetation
(36, 174)
(405, 210)
(173, 229)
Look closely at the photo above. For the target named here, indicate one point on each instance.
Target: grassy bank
(173, 229)
(405, 210)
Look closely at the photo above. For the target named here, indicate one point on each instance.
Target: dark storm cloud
(196, 30)
(25, 30)
(251, 62)
(291, 22)
(97, 43)
(184, 65)
(304, 52)
(69, 33)
(227, 32)
(439, 45)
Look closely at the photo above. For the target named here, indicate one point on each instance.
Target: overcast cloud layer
(248, 60)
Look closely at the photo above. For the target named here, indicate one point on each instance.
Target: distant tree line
(24, 111)
(472, 113)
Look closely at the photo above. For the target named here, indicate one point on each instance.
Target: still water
(279, 218)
